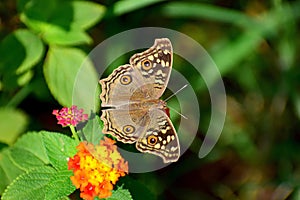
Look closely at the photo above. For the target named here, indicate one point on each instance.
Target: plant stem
(20, 96)
(74, 133)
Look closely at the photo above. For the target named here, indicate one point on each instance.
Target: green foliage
(37, 165)
(64, 22)
(16, 70)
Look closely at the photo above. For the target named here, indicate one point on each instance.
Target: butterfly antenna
(178, 113)
(176, 92)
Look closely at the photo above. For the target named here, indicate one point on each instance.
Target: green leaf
(60, 70)
(24, 78)
(86, 13)
(61, 184)
(9, 170)
(59, 148)
(20, 51)
(61, 36)
(35, 150)
(33, 142)
(92, 132)
(10, 130)
(71, 78)
(120, 194)
(62, 22)
(40, 183)
(25, 159)
(86, 88)
(34, 49)
(122, 7)
(4, 179)
(29, 151)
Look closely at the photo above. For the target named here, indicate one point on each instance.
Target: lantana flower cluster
(97, 168)
(70, 116)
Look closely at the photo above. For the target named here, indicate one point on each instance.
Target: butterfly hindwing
(118, 123)
(160, 137)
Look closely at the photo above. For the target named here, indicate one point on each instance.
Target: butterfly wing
(124, 92)
(145, 78)
(155, 65)
(160, 137)
(120, 124)
(118, 87)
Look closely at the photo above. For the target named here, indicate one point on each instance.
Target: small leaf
(122, 7)
(59, 148)
(20, 51)
(120, 194)
(86, 14)
(35, 16)
(40, 183)
(34, 49)
(92, 131)
(25, 78)
(10, 130)
(71, 77)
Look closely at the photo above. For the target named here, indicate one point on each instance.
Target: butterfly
(131, 109)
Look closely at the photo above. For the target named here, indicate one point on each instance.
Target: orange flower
(97, 168)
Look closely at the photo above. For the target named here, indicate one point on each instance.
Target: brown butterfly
(133, 111)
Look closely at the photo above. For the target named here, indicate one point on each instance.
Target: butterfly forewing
(118, 87)
(155, 65)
